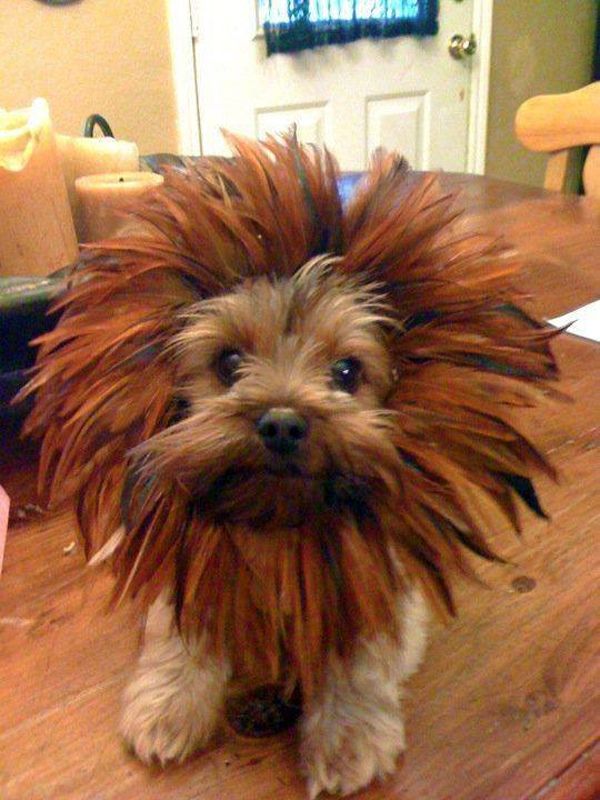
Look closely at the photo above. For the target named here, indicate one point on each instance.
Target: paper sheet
(4, 506)
(585, 321)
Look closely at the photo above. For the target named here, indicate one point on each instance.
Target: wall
(106, 56)
(538, 47)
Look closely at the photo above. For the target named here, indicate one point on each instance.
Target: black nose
(282, 430)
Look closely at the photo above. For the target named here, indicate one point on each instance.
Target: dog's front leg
(173, 704)
(353, 731)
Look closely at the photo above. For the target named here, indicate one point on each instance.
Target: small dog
(285, 418)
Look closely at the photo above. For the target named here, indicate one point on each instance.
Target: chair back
(557, 123)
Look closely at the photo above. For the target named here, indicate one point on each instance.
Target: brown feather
(467, 353)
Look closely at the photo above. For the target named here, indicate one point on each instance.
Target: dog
(284, 418)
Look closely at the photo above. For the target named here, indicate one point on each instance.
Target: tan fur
(352, 731)
(291, 575)
(175, 700)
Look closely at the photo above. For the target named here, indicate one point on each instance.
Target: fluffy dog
(285, 419)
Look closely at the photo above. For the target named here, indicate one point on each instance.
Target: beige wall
(538, 47)
(106, 56)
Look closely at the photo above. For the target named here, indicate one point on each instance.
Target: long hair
(467, 354)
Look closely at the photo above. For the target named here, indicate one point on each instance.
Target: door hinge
(195, 18)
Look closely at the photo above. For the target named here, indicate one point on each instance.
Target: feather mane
(469, 355)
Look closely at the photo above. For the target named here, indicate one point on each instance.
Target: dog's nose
(282, 430)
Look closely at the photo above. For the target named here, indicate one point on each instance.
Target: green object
(19, 294)
(24, 315)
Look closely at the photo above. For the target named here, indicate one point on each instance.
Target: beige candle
(104, 201)
(37, 234)
(87, 156)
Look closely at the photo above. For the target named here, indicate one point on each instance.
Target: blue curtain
(293, 25)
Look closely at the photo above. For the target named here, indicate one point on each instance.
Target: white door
(405, 94)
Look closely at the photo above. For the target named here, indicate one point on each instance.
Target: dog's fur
(308, 569)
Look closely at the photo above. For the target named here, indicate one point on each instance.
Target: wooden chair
(556, 123)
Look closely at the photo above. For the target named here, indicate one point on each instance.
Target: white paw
(170, 710)
(341, 755)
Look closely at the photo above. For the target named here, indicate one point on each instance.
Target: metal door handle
(462, 46)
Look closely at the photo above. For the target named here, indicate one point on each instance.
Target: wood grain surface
(507, 704)
(550, 122)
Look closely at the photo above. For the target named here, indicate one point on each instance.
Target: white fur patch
(174, 702)
(354, 732)
(108, 548)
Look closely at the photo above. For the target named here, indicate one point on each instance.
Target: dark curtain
(301, 24)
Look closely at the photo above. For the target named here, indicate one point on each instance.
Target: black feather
(526, 491)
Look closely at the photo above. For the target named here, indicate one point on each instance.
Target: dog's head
(284, 386)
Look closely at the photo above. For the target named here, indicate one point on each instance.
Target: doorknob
(462, 46)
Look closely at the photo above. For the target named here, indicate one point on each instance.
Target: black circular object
(228, 365)
(346, 374)
(263, 711)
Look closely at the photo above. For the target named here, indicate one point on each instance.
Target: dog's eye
(227, 366)
(346, 374)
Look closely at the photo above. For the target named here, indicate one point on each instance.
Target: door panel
(313, 121)
(401, 118)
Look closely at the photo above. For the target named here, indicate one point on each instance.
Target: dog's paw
(161, 725)
(170, 711)
(341, 756)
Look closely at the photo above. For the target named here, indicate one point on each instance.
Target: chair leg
(556, 171)
(591, 172)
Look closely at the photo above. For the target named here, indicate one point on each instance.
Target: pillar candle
(105, 199)
(37, 234)
(88, 156)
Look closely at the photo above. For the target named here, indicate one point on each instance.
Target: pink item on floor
(4, 506)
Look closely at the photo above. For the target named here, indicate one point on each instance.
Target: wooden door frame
(183, 30)
(480, 86)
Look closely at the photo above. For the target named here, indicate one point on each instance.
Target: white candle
(104, 201)
(37, 234)
(87, 156)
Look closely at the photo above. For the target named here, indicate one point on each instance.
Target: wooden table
(507, 705)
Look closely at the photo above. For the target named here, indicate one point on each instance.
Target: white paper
(585, 321)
